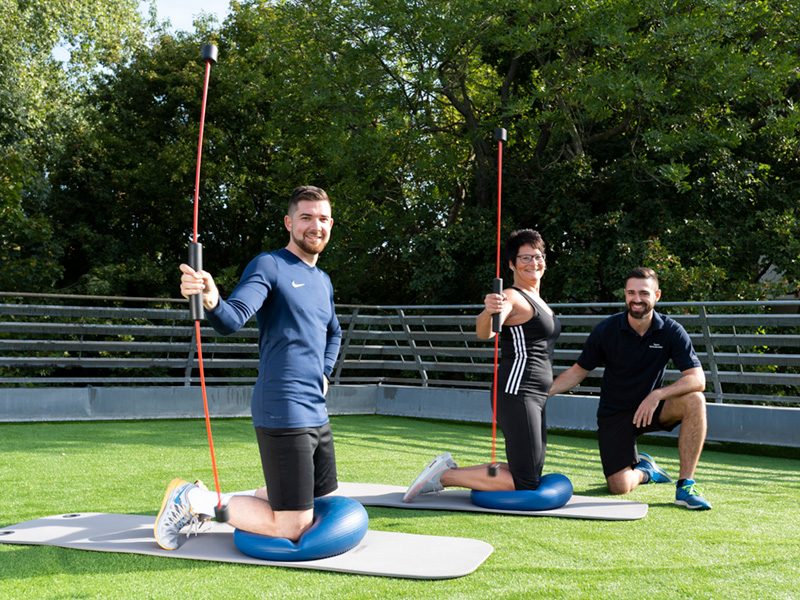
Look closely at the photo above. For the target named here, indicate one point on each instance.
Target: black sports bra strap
(536, 309)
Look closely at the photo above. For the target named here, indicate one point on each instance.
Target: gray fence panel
(750, 351)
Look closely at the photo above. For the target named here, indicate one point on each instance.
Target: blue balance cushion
(554, 491)
(339, 525)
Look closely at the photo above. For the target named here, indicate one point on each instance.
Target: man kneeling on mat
(524, 375)
(298, 341)
(635, 347)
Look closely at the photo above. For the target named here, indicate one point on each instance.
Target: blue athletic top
(634, 364)
(298, 336)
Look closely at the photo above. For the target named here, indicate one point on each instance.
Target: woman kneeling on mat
(524, 377)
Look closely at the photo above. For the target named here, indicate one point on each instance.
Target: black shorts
(616, 436)
(299, 465)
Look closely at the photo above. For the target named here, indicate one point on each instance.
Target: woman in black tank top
(525, 373)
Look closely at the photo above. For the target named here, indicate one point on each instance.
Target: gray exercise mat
(380, 553)
(578, 507)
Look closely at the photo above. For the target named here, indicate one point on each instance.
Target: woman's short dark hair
(519, 238)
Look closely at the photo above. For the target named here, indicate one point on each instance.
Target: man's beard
(306, 247)
(640, 312)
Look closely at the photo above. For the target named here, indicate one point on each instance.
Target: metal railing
(749, 350)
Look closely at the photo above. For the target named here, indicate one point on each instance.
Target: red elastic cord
(200, 153)
(197, 323)
(205, 408)
(497, 275)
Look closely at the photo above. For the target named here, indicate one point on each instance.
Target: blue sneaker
(689, 496)
(655, 474)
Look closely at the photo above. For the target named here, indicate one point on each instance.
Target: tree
(287, 106)
(656, 134)
(39, 103)
(663, 136)
(637, 132)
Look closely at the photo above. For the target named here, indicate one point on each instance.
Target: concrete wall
(104, 403)
(730, 423)
(770, 425)
(157, 402)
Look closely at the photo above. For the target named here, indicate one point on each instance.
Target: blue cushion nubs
(339, 525)
(554, 491)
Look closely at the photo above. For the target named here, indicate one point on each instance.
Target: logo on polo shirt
(657, 346)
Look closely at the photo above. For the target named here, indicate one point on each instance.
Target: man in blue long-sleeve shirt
(299, 339)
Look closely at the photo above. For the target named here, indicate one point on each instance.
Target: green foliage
(668, 112)
(40, 107)
(647, 133)
(28, 254)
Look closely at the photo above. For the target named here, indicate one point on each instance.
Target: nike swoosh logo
(297, 285)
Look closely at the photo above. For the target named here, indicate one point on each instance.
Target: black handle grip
(209, 53)
(221, 514)
(196, 262)
(497, 288)
(500, 135)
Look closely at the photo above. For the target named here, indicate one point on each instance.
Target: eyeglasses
(526, 258)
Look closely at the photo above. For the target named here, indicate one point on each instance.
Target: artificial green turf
(746, 547)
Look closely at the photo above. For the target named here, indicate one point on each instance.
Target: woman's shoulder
(517, 297)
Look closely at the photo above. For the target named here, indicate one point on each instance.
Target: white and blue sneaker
(430, 479)
(655, 474)
(175, 514)
(689, 496)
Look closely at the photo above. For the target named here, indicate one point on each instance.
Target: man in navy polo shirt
(635, 347)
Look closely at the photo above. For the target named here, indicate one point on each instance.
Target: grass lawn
(747, 547)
